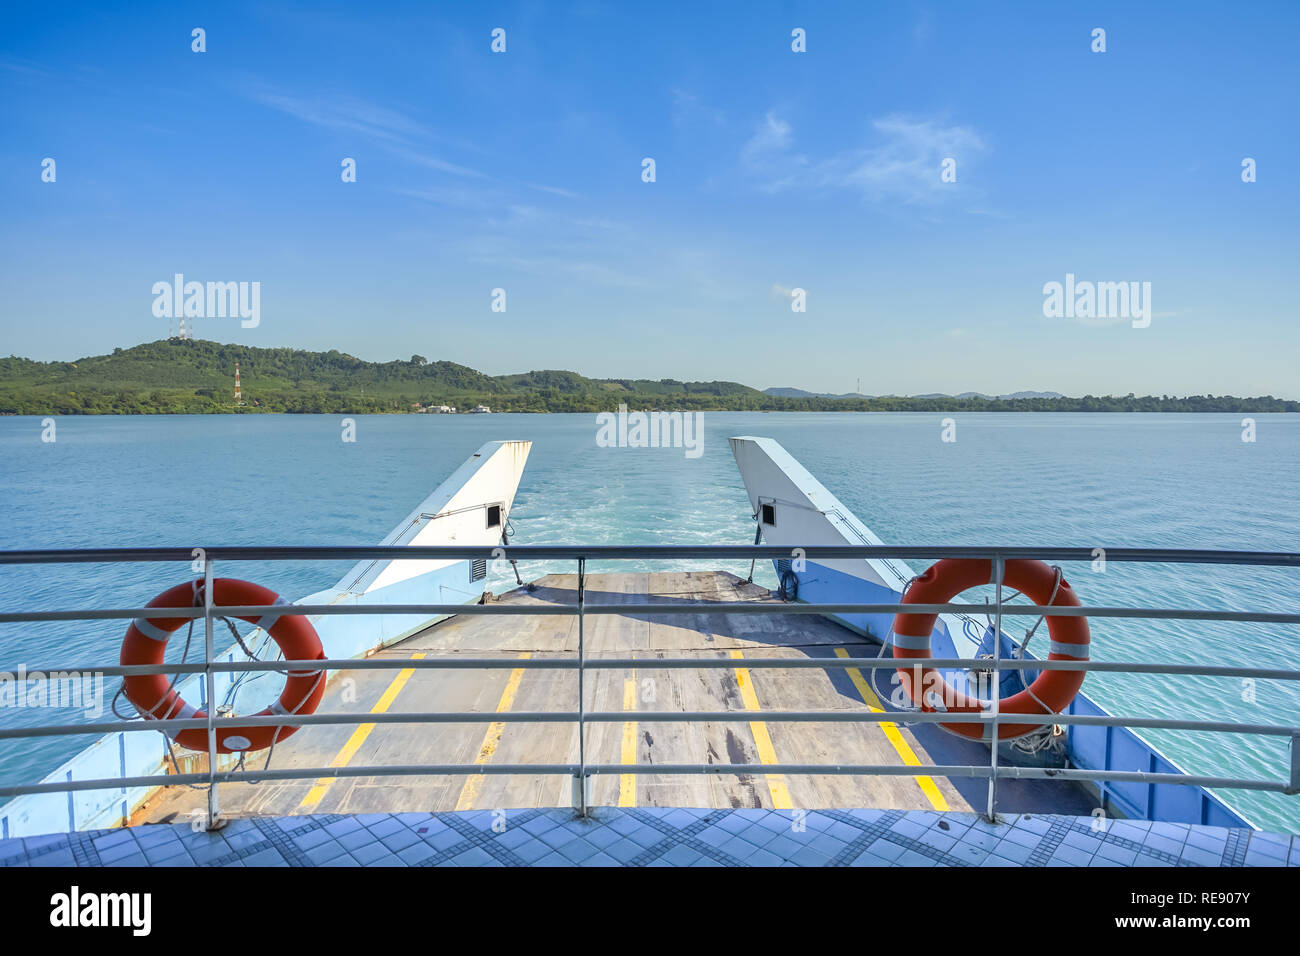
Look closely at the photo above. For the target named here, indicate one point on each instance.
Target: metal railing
(583, 772)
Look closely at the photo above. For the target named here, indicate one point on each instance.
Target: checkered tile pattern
(658, 836)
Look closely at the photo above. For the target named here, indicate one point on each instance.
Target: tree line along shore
(194, 376)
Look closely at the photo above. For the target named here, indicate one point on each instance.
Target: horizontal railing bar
(299, 773)
(909, 663)
(668, 663)
(919, 717)
(863, 770)
(1008, 610)
(697, 607)
(906, 770)
(904, 718)
(314, 610)
(298, 720)
(329, 664)
(1122, 776)
(663, 552)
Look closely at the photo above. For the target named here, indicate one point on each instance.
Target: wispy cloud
(903, 164)
(690, 110)
(401, 135)
(486, 251)
(418, 158)
(923, 29)
(25, 67)
(457, 196)
(773, 136)
(345, 113)
(553, 190)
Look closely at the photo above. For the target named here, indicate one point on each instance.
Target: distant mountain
(1000, 398)
(800, 393)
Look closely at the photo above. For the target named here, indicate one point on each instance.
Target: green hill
(197, 377)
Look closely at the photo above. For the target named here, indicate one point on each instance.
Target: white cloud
(14, 65)
(903, 164)
(690, 110)
(345, 113)
(399, 134)
(772, 136)
(553, 190)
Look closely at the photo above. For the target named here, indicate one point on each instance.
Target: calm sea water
(1094, 480)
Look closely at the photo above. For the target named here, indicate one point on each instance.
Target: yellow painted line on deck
(627, 781)
(895, 736)
(344, 756)
(762, 739)
(469, 793)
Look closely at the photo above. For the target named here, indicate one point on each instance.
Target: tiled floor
(661, 837)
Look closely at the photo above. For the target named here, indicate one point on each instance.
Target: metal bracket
(582, 786)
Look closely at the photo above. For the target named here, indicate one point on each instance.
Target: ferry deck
(632, 741)
(678, 820)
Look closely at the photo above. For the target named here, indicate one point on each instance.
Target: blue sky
(775, 170)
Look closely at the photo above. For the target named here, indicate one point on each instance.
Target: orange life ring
(1053, 688)
(155, 698)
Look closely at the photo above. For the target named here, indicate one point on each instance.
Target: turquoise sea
(1092, 480)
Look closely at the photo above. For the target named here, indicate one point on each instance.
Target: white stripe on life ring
(151, 631)
(278, 708)
(270, 620)
(908, 642)
(186, 712)
(1069, 650)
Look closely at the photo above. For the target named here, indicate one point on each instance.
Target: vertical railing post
(582, 703)
(1295, 765)
(214, 821)
(999, 566)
